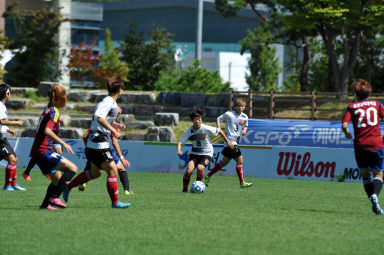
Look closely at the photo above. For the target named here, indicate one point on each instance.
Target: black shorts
(98, 156)
(370, 159)
(5, 149)
(231, 153)
(199, 159)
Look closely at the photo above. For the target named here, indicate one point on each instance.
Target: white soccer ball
(198, 187)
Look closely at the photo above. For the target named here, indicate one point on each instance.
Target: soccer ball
(198, 187)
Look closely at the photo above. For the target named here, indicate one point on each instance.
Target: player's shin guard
(239, 171)
(65, 178)
(124, 179)
(377, 185)
(368, 187)
(217, 168)
(113, 189)
(50, 191)
(14, 173)
(8, 175)
(199, 175)
(186, 179)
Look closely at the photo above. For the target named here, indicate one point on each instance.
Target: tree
(3, 41)
(109, 64)
(263, 64)
(146, 54)
(191, 79)
(35, 46)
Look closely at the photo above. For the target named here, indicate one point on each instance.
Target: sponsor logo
(298, 165)
(204, 135)
(352, 173)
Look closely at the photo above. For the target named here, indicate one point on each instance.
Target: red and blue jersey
(42, 143)
(365, 116)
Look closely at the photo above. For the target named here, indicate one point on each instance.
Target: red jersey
(42, 143)
(365, 116)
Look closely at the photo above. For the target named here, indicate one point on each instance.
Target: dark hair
(4, 89)
(361, 88)
(197, 112)
(114, 84)
(57, 96)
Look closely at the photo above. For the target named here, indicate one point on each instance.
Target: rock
(134, 137)
(28, 132)
(166, 119)
(160, 134)
(39, 106)
(212, 111)
(28, 121)
(86, 108)
(147, 109)
(16, 104)
(70, 133)
(193, 99)
(220, 100)
(81, 123)
(65, 120)
(97, 97)
(127, 109)
(20, 91)
(139, 98)
(140, 124)
(44, 88)
(81, 95)
(173, 98)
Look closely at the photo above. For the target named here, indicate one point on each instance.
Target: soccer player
(51, 163)
(6, 151)
(98, 150)
(236, 126)
(202, 149)
(369, 151)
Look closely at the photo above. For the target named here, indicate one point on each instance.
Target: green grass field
(272, 217)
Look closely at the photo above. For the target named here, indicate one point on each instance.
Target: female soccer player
(202, 149)
(6, 151)
(236, 126)
(369, 150)
(42, 153)
(98, 151)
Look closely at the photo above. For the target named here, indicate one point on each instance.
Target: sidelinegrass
(272, 217)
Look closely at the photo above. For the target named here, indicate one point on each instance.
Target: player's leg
(112, 187)
(200, 172)
(367, 182)
(12, 161)
(188, 172)
(27, 171)
(218, 166)
(377, 184)
(52, 188)
(123, 178)
(240, 173)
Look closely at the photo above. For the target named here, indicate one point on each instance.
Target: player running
(6, 150)
(202, 149)
(98, 151)
(236, 126)
(369, 151)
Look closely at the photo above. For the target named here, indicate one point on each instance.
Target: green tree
(109, 64)
(263, 65)
(191, 79)
(35, 46)
(3, 41)
(146, 54)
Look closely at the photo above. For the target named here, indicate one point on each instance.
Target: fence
(312, 105)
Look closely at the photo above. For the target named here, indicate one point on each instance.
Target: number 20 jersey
(365, 116)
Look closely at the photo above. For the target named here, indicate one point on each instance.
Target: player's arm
(244, 131)
(118, 125)
(49, 132)
(85, 137)
(12, 122)
(115, 143)
(230, 145)
(344, 127)
(179, 152)
(106, 125)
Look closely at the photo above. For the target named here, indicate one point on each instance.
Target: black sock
(66, 177)
(31, 164)
(368, 186)
(377, 185)
(124, 179)
(50, 190)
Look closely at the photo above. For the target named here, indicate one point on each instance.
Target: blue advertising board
(297, 133)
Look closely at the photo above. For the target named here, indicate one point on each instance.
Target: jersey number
(370, 114)
(198, 143)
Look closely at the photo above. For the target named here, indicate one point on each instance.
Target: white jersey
(201, 143)
(99, 137)
(234, 124)
(3, 116)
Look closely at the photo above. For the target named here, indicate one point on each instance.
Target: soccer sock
(124, 179)
(66, 177)
(186, 179)
(377, 185)
(50, 191)
(200, 176)
(217, 168)
(239, 171)
(14, 174)
(83, 177)
(29, 167)
(9, 174)
(113, 189)
(368, 186)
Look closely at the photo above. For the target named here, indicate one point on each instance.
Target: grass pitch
(271, 217)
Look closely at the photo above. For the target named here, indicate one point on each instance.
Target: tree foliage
(146, 54)
(3, 41)
(191, 79)
(35, 46)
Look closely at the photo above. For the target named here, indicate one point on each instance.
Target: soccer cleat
(121, 205)
(82, 187)
(245, 185)
(49, 207)
(26, 176)
(207, 179)
(8, 188)
(66, 193)
(375, 205)
(56, 201)
(127, 192)
(184, 190)
(17, 187)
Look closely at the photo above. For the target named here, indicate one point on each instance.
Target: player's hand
(20, 122)
(244, 132)
(230, 145)
(68, 148)
(117, 134)
(126, 163)
(348, 135)
(120, 126)
(179, 153)
(12, 132)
